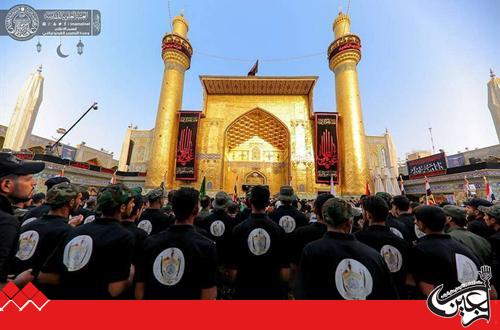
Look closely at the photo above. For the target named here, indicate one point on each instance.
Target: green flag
(202, 188)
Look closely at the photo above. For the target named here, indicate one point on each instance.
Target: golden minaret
(343, 55)
(176, 54)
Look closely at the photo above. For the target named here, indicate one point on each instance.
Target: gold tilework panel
(257, 123)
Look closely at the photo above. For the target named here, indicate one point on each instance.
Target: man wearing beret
(475, 217)
(94, 260)
(456, 222)
(40, 238)
(338, 266)
(492, 219)
(437, 258)
(16, 185)
(153, 220)
(38, 211)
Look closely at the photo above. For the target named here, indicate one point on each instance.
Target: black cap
(10, 164)
(55, 180)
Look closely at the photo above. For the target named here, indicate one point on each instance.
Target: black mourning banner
(427, 166)
(326, 148)
(185, 159)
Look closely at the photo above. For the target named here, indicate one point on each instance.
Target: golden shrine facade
(256, 129)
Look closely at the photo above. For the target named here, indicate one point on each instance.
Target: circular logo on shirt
(89, 219)
(168, 267)
(287, 223)
(27, 244)
(392, 257)
(217, 228)
(466, 268)
(77, 252)
(396, 232)
(353, 280)
(28, 221)
(145, 225)
(418, 232)
(259, 241)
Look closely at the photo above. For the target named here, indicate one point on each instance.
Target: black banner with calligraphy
(326, 148)
(427, 166)
(185, 159)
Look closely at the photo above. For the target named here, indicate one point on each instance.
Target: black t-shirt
(340, 267)
(38, 240)
(303, 236)
(479, 227)
(36, 212)
(392, 248)
(243, 215)
(495, 259)
(91, 257)
(438, 259)
(258, 253)
(401, 227)
(410, 229)
(9, 237)
(219, 226)
(153, 221)
(177, 264)
(139, 235)
(289, 218)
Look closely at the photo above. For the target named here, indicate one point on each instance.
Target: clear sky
(425, 62)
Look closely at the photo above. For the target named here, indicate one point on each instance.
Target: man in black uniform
(16, 184)
(287, 216)
(437, 258)
(338, 266)
(129, 222)
(205, 207)
(492, 219)
(258, 260)
(475, 217)
(40, 238)
(392, 248)
(153, 220)
(219, 225)
(94, 261)
(247, 210)
(306, 234)
(38, 211)
(178, 263)
(401, 210)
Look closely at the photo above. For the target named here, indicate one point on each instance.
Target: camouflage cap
(113, 195)
(155, 194)
(62, 193)
(456, 212)
(492, 211)
(336, 211)
(136, 191)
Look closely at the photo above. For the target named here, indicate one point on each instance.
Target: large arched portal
(256, 151)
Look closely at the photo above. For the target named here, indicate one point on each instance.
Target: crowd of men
(126, 245)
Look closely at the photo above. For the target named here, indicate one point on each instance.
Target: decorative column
(176, 54)
(343, 55)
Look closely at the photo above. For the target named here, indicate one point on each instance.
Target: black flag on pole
(255, 68)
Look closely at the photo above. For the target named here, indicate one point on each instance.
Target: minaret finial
(492, 74)
(182, 13)
(40, 68)
(340, 9)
